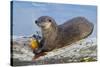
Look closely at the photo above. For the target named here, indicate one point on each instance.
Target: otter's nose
(36, 21)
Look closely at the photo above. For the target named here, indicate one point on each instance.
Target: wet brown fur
(57, 36)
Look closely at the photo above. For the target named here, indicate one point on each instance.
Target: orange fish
(34, 43)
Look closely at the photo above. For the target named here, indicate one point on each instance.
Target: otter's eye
(49, 20)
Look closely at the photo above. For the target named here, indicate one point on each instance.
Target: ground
(82, 51)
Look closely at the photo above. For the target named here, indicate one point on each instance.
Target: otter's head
(45, 22)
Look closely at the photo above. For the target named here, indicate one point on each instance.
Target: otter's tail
(92, 27)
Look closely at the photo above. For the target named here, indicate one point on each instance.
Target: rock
(82, 51)
(21, 50)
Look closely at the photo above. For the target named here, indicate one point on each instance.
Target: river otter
(57, 36)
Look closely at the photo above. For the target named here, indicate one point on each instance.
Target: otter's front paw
(39, 55)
